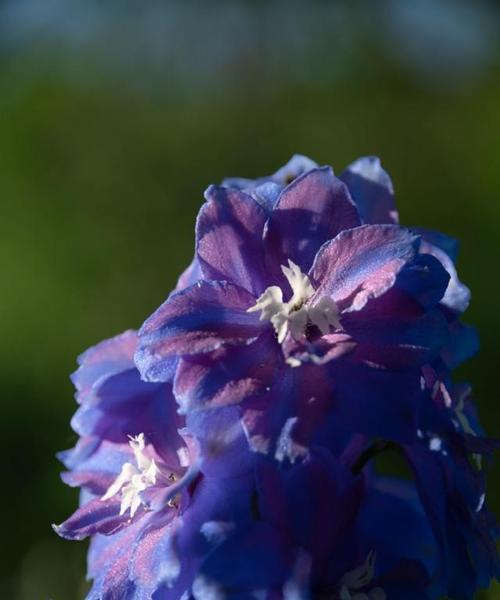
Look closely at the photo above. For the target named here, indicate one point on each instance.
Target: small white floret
(294, 316)
(133, 479)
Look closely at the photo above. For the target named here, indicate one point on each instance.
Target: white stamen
(359, 578)
(293, 316)
(132, 479)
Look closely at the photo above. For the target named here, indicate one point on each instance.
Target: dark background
(115, 116)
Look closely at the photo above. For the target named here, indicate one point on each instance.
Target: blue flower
(147, 490)
(226, 451)
(305, 285)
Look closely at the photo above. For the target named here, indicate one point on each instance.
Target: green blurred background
(114, 117)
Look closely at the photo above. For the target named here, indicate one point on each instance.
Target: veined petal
(362, 263)
(101, 361)
(310, 211)
(200, 319)
(229, 239)
(190, 275)
(96, 516)
(227, 376)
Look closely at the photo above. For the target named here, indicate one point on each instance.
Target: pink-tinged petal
(229, 239)
(200, 319)
(310, 211)
(108, 562)
(189, 276)
(362, 263)
(155, 559)
(129, 406)
(227, 376)
(97, 516)
(96, 482)
(372, 191)
(103, 360)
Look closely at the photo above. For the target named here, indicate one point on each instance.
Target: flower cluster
(234, 447)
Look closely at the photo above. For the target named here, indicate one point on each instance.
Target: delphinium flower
(302, 293)
(148, 495)
(228, 449)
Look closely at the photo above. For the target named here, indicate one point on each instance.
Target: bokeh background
(115, 116)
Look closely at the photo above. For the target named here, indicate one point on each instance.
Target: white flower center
(359, 578)
(133, 479)
(294, 316)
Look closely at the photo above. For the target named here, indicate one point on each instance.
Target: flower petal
(229, 239)
(101, 361)
(372, 191)
(310, 211)
(198, 319)
(227, 376)
(376, 402)
(362, 263)
(96, 516)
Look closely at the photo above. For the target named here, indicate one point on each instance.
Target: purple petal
(442, 241)
(96, 482)
(190, 276)
(457, 295)
(362, 263)
(296, 166)
(283, 421)
(108, 563)
(227, 376)
(393, 331)
(372, 191)
(155, 559)
(128, 406)
(257, 558)
(97, 516)
(229, 239)
(310, 211)
(101, 361)
(391, 408)
(199, 319)
(463, 344)
(223, 444)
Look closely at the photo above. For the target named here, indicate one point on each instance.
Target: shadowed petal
(229, 239)
(310, 211)
(198, 319)
(372, 191)
(376, 402)
(227, 376)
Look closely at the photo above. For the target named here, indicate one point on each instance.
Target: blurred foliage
(100, 183)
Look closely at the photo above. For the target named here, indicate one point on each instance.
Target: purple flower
(323, 532)
(228, 450)
(448, 462)
(306, 285)
(147, 492)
